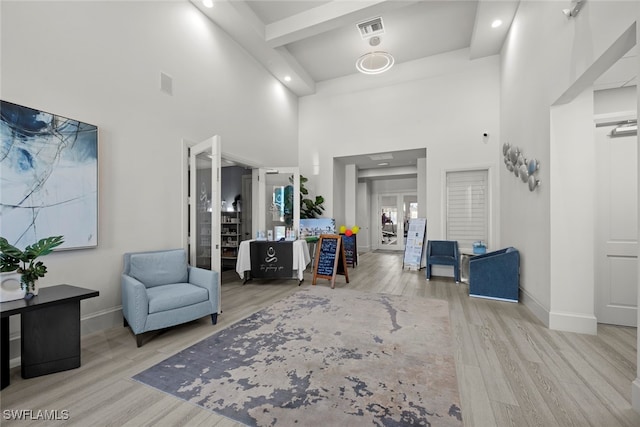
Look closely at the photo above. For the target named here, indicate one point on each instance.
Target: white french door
(204, 204)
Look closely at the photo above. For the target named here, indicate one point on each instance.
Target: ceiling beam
(238, 20)
(487, 41)
(325, 18)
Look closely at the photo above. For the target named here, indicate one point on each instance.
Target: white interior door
(204, 204)
(616, 266)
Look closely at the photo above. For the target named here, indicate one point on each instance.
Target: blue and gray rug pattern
(324, 357)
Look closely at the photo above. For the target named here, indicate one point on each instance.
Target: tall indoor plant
(24, 262)
(309, 208)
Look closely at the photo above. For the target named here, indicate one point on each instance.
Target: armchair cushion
(168, 297)
(161, 268)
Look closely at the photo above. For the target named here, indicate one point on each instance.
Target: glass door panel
(278, 201)
(279, 204)
(203, 212)
(389, 222)
(410, 210)
(204, 204)
(395, 210)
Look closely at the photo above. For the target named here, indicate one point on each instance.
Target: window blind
(467, 207)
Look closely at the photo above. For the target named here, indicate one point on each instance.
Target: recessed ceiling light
(374, 62)
(383, 164)
(207, 3)
(287, 78)
(496, 23)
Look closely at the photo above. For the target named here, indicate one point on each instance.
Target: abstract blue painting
(48, 178)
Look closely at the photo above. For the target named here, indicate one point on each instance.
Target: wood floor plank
(507, 415)
(474, 398)
(560, 403)
(489, 364)
(512, 370)
(529, 399)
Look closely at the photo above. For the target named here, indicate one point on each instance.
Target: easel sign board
(414, 250)
(350, 249)
(330, 259)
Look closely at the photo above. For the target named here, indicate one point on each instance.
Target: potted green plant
(309, 208)
(24, 262)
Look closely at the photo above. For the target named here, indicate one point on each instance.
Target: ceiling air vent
(381, 156)
(371, 27)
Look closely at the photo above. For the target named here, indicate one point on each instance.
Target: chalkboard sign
(330, 259)
(271, 259)
(350, 249)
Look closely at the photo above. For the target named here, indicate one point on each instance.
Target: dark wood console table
(49, 331)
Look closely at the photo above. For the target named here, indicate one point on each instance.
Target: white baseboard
(535, 307)
(560, 321)
(573, 322)
(104, 319)
(94, 322)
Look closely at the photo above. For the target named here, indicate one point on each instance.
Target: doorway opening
(380, 192)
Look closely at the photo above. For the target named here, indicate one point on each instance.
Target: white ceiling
(622, 74)
(313, 41)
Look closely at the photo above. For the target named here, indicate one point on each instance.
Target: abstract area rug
(324, 357)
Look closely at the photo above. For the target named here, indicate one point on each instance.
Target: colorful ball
(342, 229)
(355, 229)
(348, 233)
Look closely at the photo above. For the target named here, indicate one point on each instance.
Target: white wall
(100, 62)
(552, 54)
(616, 100)
(572, 194)
(363, 209)
(443, 103)
(350, 195)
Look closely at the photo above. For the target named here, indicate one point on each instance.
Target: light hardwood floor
(512, 371)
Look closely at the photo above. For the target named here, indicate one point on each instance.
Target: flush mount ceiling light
(496, 23)
(208, 3)
(375, 62)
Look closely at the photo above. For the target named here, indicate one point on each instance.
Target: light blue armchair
(160, 290)
(495, 275)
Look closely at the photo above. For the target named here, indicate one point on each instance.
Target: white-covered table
(269, 265)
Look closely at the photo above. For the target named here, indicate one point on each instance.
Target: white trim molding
(573, 322)
(534, 306)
